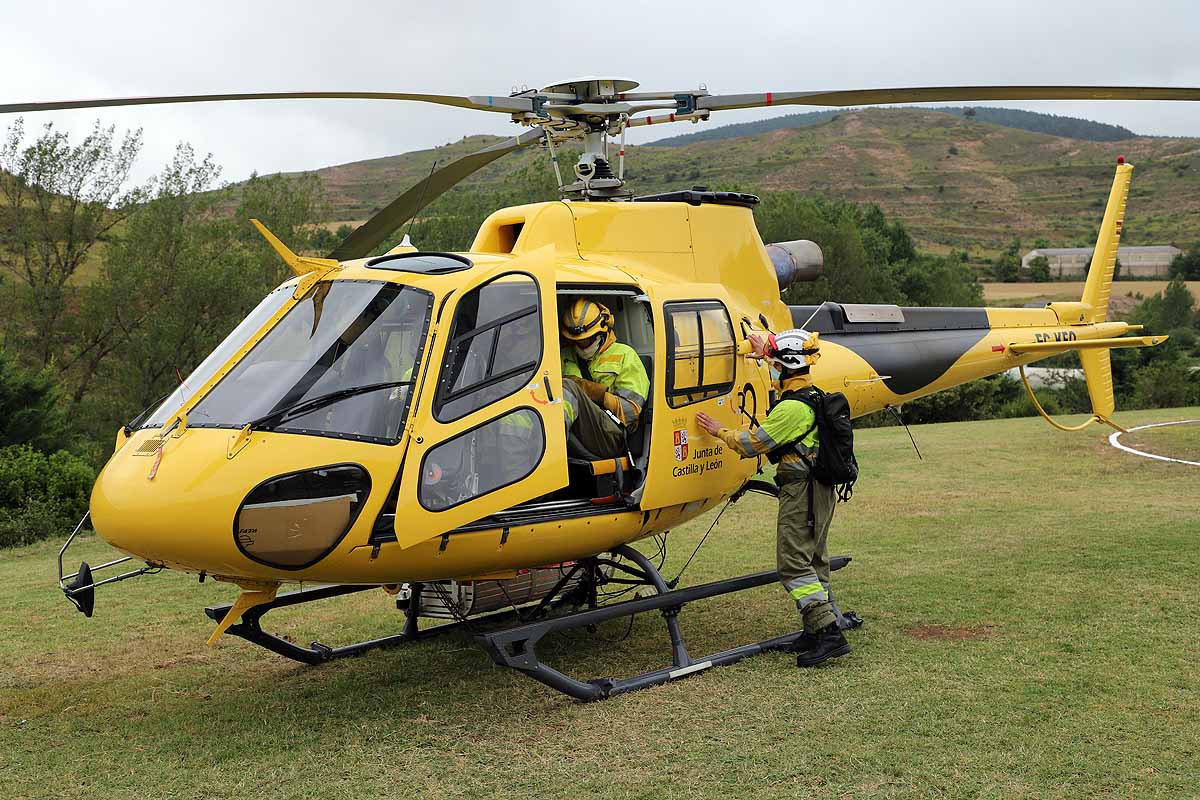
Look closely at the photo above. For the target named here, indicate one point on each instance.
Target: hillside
(1069, 127)
(955, 182)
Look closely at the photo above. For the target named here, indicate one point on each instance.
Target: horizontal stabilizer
(1046, 348)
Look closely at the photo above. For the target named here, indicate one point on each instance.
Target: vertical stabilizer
(1097, 370)
(1104, 257)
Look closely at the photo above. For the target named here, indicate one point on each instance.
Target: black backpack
(835, 464)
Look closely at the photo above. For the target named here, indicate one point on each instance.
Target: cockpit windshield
(357, 344)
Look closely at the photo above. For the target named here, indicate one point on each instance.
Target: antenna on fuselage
(813, 314)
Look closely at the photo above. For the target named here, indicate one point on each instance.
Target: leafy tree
(59, 201)
(1187, 264)
(29, 410)
(1170, 309)
(1039, 269)
(1006, 268)
(181, 275)
(1167, 384)
(40, 495)
(938, 281)
(979, 399)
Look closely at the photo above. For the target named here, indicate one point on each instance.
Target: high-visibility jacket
(788, 422)
(619, 369)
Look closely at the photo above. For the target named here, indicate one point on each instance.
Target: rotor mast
(592, 110)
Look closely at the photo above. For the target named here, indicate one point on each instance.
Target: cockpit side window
(494, 348)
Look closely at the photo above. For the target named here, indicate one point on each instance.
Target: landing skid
(516, 647)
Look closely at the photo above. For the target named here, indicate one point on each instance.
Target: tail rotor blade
(374, 231)
(933, 94)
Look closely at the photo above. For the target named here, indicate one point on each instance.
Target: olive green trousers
(801, 554)
(597, 431)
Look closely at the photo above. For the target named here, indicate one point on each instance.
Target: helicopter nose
(194, 507)
(159, 500)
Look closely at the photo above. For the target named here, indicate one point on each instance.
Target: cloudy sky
(73, 50)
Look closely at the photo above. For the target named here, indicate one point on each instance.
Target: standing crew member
(789, 435)
(600, 375)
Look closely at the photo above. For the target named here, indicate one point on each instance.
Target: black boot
(827, 643)
(802, 643)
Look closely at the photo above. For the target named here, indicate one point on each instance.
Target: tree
(1039, 269)
(29, 409)
(1177, 307)
(1187, 265)
(938, 281)
(168, 276)
(185, 269)
(1006, 268)
(59, 201)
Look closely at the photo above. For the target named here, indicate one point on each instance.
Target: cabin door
(489, 430)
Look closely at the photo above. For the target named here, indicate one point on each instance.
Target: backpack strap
(806, 396)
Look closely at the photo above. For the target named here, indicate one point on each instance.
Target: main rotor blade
(506, 105)
(375, 230)
(930, 94)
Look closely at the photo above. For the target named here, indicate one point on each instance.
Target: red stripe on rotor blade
(770, 97)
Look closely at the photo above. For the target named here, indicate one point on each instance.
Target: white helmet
(794, 349)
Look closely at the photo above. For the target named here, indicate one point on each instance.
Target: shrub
(1165, 385)
(37, 520)
(979, 399)
(29, 408)
(40, 494)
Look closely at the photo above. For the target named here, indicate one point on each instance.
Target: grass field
(1032, 625)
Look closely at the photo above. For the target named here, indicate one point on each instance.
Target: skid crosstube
(516, 647)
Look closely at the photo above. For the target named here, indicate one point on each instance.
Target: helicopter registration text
(1055, 336)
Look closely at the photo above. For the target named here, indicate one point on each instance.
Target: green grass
(1032, 621)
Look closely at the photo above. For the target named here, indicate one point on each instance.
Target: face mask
(587, 353)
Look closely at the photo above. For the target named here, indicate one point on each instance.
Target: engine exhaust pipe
(800, 260)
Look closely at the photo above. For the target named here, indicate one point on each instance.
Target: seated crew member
(604, 381)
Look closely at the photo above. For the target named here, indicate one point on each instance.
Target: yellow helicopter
(348, 432)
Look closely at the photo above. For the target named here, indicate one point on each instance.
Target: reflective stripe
(808, 589)
(631, 396)
(571, 397)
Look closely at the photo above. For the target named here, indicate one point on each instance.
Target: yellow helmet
(584, 318)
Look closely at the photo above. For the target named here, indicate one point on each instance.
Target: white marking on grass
(1113, 440)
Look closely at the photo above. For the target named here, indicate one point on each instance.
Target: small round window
(295, 520)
